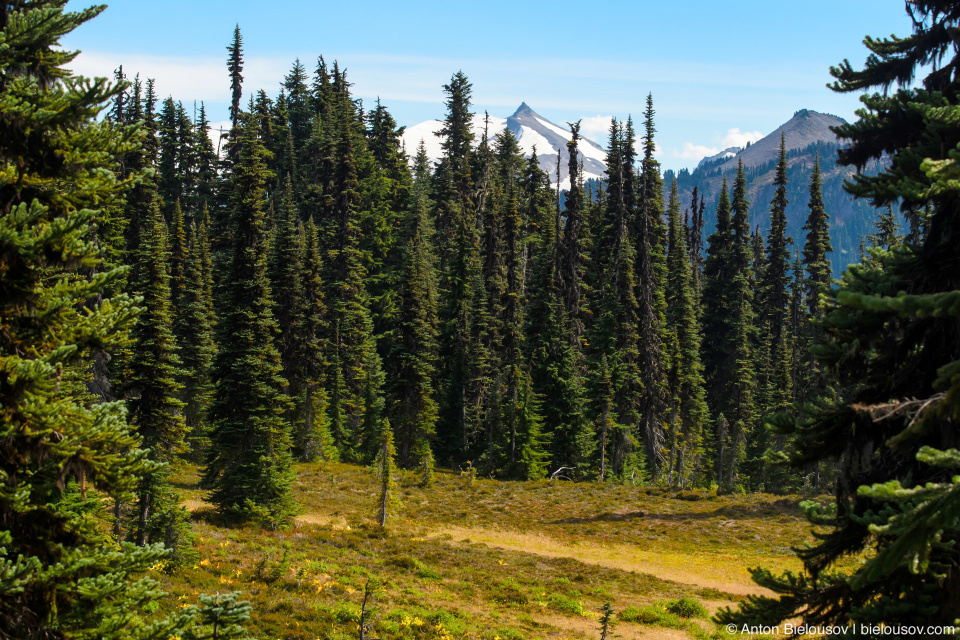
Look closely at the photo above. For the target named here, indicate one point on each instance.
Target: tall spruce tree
(287, 293)
(741, 384)
(618, 387)
(570, 252)
(194, 327)
(463, 315)
(152, 384)
(355, 409)
(695, 242)
(774, 281)
(555, 370)
(248, 468)
(313, 438)
(235, 68)
(412, 405)
(715, 301)
(691, 416)
(650, 234)
(817, 266)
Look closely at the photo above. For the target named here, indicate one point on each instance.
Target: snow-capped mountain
(531, 130)
(729, 152)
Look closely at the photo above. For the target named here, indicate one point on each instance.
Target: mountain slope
(802, 130)
(806, 136)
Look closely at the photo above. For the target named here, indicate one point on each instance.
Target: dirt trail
(697, 570)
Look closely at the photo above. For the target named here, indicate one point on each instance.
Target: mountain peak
(531, 130)
(804, 128)
(522, 110)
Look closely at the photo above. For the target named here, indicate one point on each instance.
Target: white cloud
(185, 78)
(597, 128)
(737, 138)
(694, 152)
(733, 138)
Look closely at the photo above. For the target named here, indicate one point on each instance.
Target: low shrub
(687, 608)
(564, 604)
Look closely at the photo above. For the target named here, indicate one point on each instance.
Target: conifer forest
(224, 354)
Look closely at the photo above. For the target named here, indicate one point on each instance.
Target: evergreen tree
(650, 232)
(695, 242)
(153, 387)
(890, 346)
(352, 350)
(287, 292)
(178, 258)
(207, 180)
(692, 415)
(299, 112)
(532, 442)
(235, 68)
(774, 280)
(619, 388)
(463, 316)
(554, 370)
(817, 281)
(59, 575)
(740, 387)
(248, 468)
(717, 274)
(570, 254)
(194, 327)
(313, 438)
(412, 405)
(887, 235)
(388, 501)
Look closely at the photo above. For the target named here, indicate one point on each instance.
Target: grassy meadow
(479, 558)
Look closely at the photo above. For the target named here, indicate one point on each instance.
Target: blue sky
(721, 72)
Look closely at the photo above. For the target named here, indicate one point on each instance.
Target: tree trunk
(142, 520)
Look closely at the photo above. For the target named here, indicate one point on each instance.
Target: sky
(722, 72)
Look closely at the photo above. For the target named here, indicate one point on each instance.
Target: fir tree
(287, 292)
(619, 388)
(650, 235)
(682, 319)
(464, 315)
(152, 383)
(817, 267)
(570, 254)
(388, 501)
(891, 348)
(59, 575)
(532, 442)
(695, 242)
(554, 370)
(412, 405)
(351, 348)
(717, 274)
(774, 279)
(313, 438)
(740, 386)
(248, 468)
(207, 182)
(178, 257)
(194, 327)
(887, 235)
(235, 68)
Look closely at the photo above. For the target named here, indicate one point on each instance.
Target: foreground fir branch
(60, 452)
(892, 352)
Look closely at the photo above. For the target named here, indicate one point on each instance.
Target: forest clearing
(484, 558)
